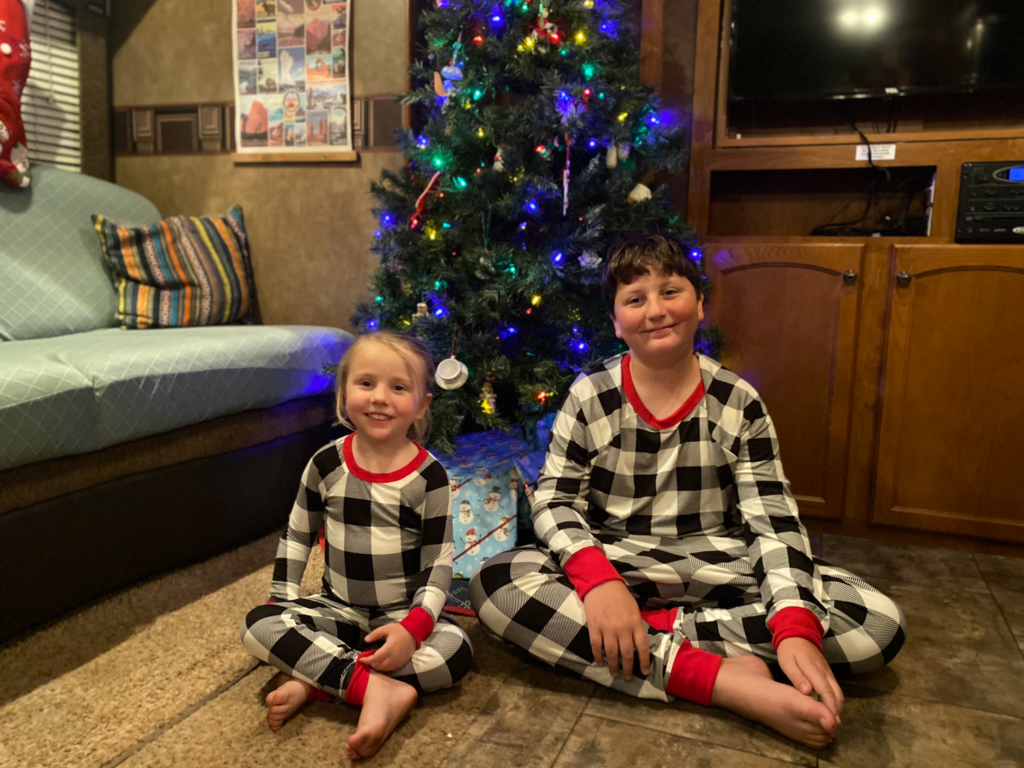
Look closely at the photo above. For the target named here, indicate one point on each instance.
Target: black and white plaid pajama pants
(318, 639)
(524, 597)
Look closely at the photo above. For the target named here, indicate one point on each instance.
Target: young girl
(385, 506)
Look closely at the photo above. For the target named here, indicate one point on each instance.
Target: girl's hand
(399, 646)
(616, 628)
(808, 671)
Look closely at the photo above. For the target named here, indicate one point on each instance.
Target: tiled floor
(156, 676)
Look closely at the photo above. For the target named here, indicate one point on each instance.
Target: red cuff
(589, 568)
(419, 624)
(795, 622)
(693, 674)
(356, 690)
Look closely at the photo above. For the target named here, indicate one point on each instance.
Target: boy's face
(657, 315)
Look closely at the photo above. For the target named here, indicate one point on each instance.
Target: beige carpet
(156, 675)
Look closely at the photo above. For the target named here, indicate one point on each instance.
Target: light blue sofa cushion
(52, 277)
(143, 383)
(47, 407)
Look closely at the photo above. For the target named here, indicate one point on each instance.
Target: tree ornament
(422, 309)
(488, 399)
(640, 193)
(421, 201)
(589, 261)
(566, 174)
(499, 162)
(611, 158)
(451, 374)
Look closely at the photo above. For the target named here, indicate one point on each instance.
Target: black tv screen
(839, 49)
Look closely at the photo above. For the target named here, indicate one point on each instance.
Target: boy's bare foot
(386, 703)
(284, 700)
(745, 686)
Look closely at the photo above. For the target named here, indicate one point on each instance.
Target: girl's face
(382, 396)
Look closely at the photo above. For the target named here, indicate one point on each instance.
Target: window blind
(50, 104)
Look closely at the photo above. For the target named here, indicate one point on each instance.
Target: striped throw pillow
(183, 271)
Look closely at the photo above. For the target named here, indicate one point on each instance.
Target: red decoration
(421, 201)
(15, 61)
(478, 39)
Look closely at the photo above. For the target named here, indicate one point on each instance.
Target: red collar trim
(648, 418)
(381, 477)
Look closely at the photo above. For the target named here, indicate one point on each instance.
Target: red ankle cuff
(315, 694)
(693, 674)
(663, 620)
(357, 685)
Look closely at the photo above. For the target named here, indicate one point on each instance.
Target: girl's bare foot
(284, 700)
(386, 703)
(745, 686)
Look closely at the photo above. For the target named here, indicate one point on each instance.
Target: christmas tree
(538, 151)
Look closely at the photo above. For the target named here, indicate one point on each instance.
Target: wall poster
(292, 76)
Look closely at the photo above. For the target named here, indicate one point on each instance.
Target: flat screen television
(808, 50)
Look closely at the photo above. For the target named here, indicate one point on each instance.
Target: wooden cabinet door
(789, 316)
(953, 400)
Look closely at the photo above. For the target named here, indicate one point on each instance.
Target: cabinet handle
(849, 276)
(903, 278)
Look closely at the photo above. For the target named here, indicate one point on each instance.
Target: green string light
(460, 182)
(589, 70)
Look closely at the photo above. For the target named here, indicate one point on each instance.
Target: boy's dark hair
(637, 253)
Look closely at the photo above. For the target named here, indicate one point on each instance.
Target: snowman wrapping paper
(486, 491)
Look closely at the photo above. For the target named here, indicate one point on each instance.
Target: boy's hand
(808, 671)
(616, 628)
(399, 646)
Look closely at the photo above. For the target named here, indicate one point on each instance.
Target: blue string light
(422, 141)
(557, 258)
(387, 219)
(592, 144)
(372, 325)
(531, 206)
(377, 233)
(497, 18)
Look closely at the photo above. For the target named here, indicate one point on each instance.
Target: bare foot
(386, 703)
(745, 686)
(284, 700)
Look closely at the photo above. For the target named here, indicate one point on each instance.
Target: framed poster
(292, 98)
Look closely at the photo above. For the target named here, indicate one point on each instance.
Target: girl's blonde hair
(417, 359)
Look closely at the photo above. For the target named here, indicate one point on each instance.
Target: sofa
(125, 453)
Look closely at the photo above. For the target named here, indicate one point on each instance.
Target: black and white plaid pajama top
(388, 550)
(693, 513)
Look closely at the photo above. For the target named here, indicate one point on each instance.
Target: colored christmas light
(377, 233)
(387, 219)
(497, 18)
(480, 133)
(531, 206)
(460, 182)
(422, 141)
(581, 37)
(379, 298)
(557, 258)
(592, 144)
(535, 299)
(477, 94)
(478, 39)
(372, 325)
(623, 116)
(438, 161)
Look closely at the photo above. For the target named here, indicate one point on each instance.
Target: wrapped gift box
(486, 496)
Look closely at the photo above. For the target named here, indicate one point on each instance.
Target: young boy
(669, 540)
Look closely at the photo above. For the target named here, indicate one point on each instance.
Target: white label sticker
(878, 152)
